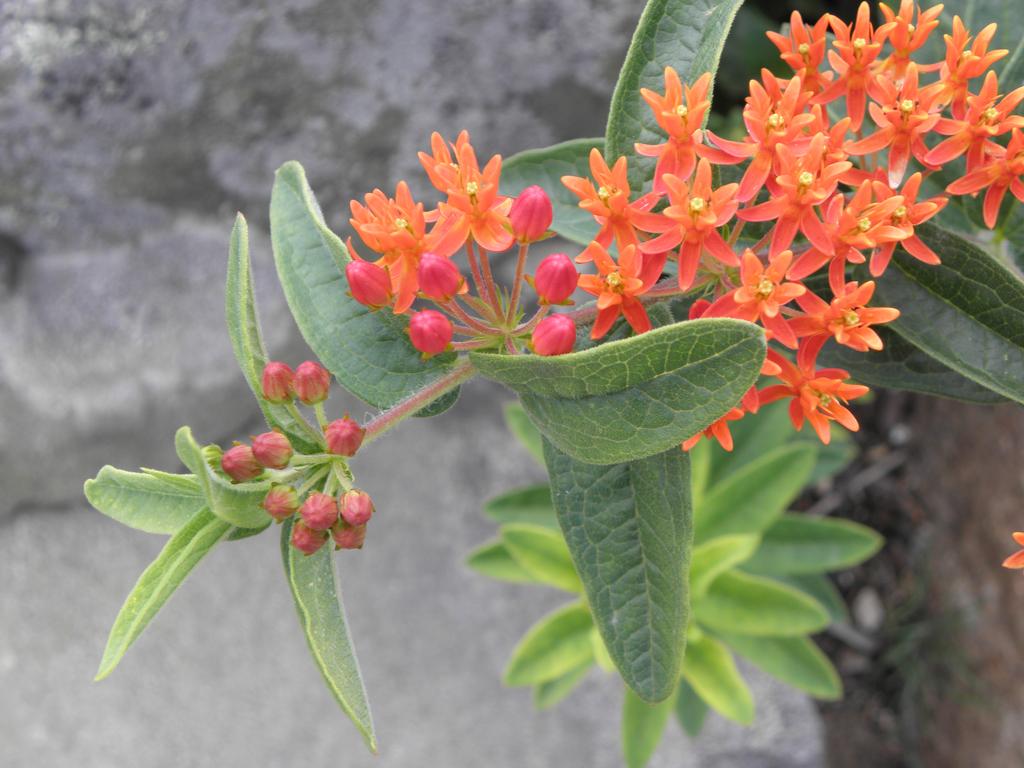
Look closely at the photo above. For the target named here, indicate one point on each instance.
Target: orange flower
(903, 115)
(804, 51)
(818, 396)
(719, 430)
(608, 202)
(690, 221)
(680, 113)
(616, 288)
(1016, 560)
(906, 217)
(846, 318)
(905, 36)
(1003, 172)
(962, 65)
(761, 295)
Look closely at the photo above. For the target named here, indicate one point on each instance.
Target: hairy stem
(513, 303)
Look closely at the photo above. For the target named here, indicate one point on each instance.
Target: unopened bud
(319, 511)
(349, 536)
(281, 502)
(344, 436)
(312, 382)
(278, 379)
(439, 277)
(272, 450)
(555, 279)
(240, 464)
(554, 335)
(368, 283)
(531, 214)
(307, 540)
(430, 332)
(356, 507)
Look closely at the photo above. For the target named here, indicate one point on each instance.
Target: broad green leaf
(542, 553)
(247, 341)
(717, 556)
(710, 669)
(523, 505)
(691, 710)
(629, 530)
(642, 727)
(494, 560)
(602, 658)
(685, 34)
(968, 312)
(754, 605)
(819, 587)
(554, 646)
(546, 167)
(519, 424)
(322, 616)
(550, 692)
(750, 500)
(235, 503)
(157, 583)
(368, 352)
(801, 544)
(796, 661)
(633, 398)
(143, 501)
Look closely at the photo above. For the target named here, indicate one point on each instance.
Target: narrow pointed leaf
(542, 553)
(717, 556)
(550, 692)
(691, 710)
(754, 605)
(802, 544)
(710, 669)
(523, 505)
(143, 501)
(819, 588)
(494, 560)
(796, 661)
(554, 646)
(643, 725)
(519, 424)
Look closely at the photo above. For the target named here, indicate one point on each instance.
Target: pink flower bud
(306, 540)
(439, 277)
(240, 464)
(555, 279)
(356, 507)
(319, 511)
(277, 383)
(554, 335)
(368, 283)
(349, 536)
(344, 436)
(281, 502)
(272, 450)
(531, 214)
(430, 332)
(312, 382)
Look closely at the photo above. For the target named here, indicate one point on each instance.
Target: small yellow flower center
(682, 111)
(899, 214)
(765, 288)
(859, 43)
(806, 178)
(990, 115)
(864, 224)
(803, 49)
(850, 318)
(614, 282)
(697, 204)
(907, 106)
(911, 28)
(472, 188)
(824, 400)
(401, 224)
(775, 121)
(604, 193)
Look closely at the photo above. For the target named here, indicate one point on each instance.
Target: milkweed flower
(804, 51)
(905, 217)
(617, 287)
(1002, 173)
(1016, 560)
(962, 65)
(847, 318)
(718, 430)
(907, 36)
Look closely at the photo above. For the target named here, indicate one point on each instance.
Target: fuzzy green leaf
(529, 436)
(642, 727)
(154, 504)
(550, 692)
(709, 668)
(820, 588)
(802, 544)
(754, 605)
(523, 505)
(717, 556)
(691, 710)
(494, 560)
(554, 646)
(796, 661)
(542, 553)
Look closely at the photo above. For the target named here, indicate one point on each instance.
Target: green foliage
(711, 671)
(524, 505)
(542, 553)
(550, 692)
(691, 710)
(158, 503)
(801, 544)
(495, 560)
(759, 606)
(794, 660)
(642, 727)
(713, 558)
(519, 424)
(557, 644)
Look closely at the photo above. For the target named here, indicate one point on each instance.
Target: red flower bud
(368, 283)
(306, 540)
(439, 277)
(272, 450)
(554, 335)
(240, 464)
(278, 379)
(555, 279)
(430, 332)
(281, 502)
(312, 382)
(349, 536)
(531, 214)
(319, 511)
(344, 436)
(356, 507)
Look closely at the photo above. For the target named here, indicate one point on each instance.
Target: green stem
(513, 303)
(306, 427)
(312, 480)
(321, 417)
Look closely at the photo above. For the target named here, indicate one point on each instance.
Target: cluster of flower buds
(315, 486)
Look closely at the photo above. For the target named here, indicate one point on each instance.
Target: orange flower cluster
(825, 189)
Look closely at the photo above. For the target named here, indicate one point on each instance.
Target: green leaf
(247, 341)
(796, 661)
(542, 553)
(690, 709)
(550, 692)
(554, 646)
(820, 588)
(235, 503)
(628, 527)
(546, 167)
(602, 658)
(750, 500)
(322, 616)
(157, 583)
(519, 424)
(368, 352)
(754, 605)
(523, 505)
(494, 560)
(685, 34)
(709, 668)
(643, 725)
(629, 399)
(717, 556)
(967, 313)
(802, 544)
(143, 501)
